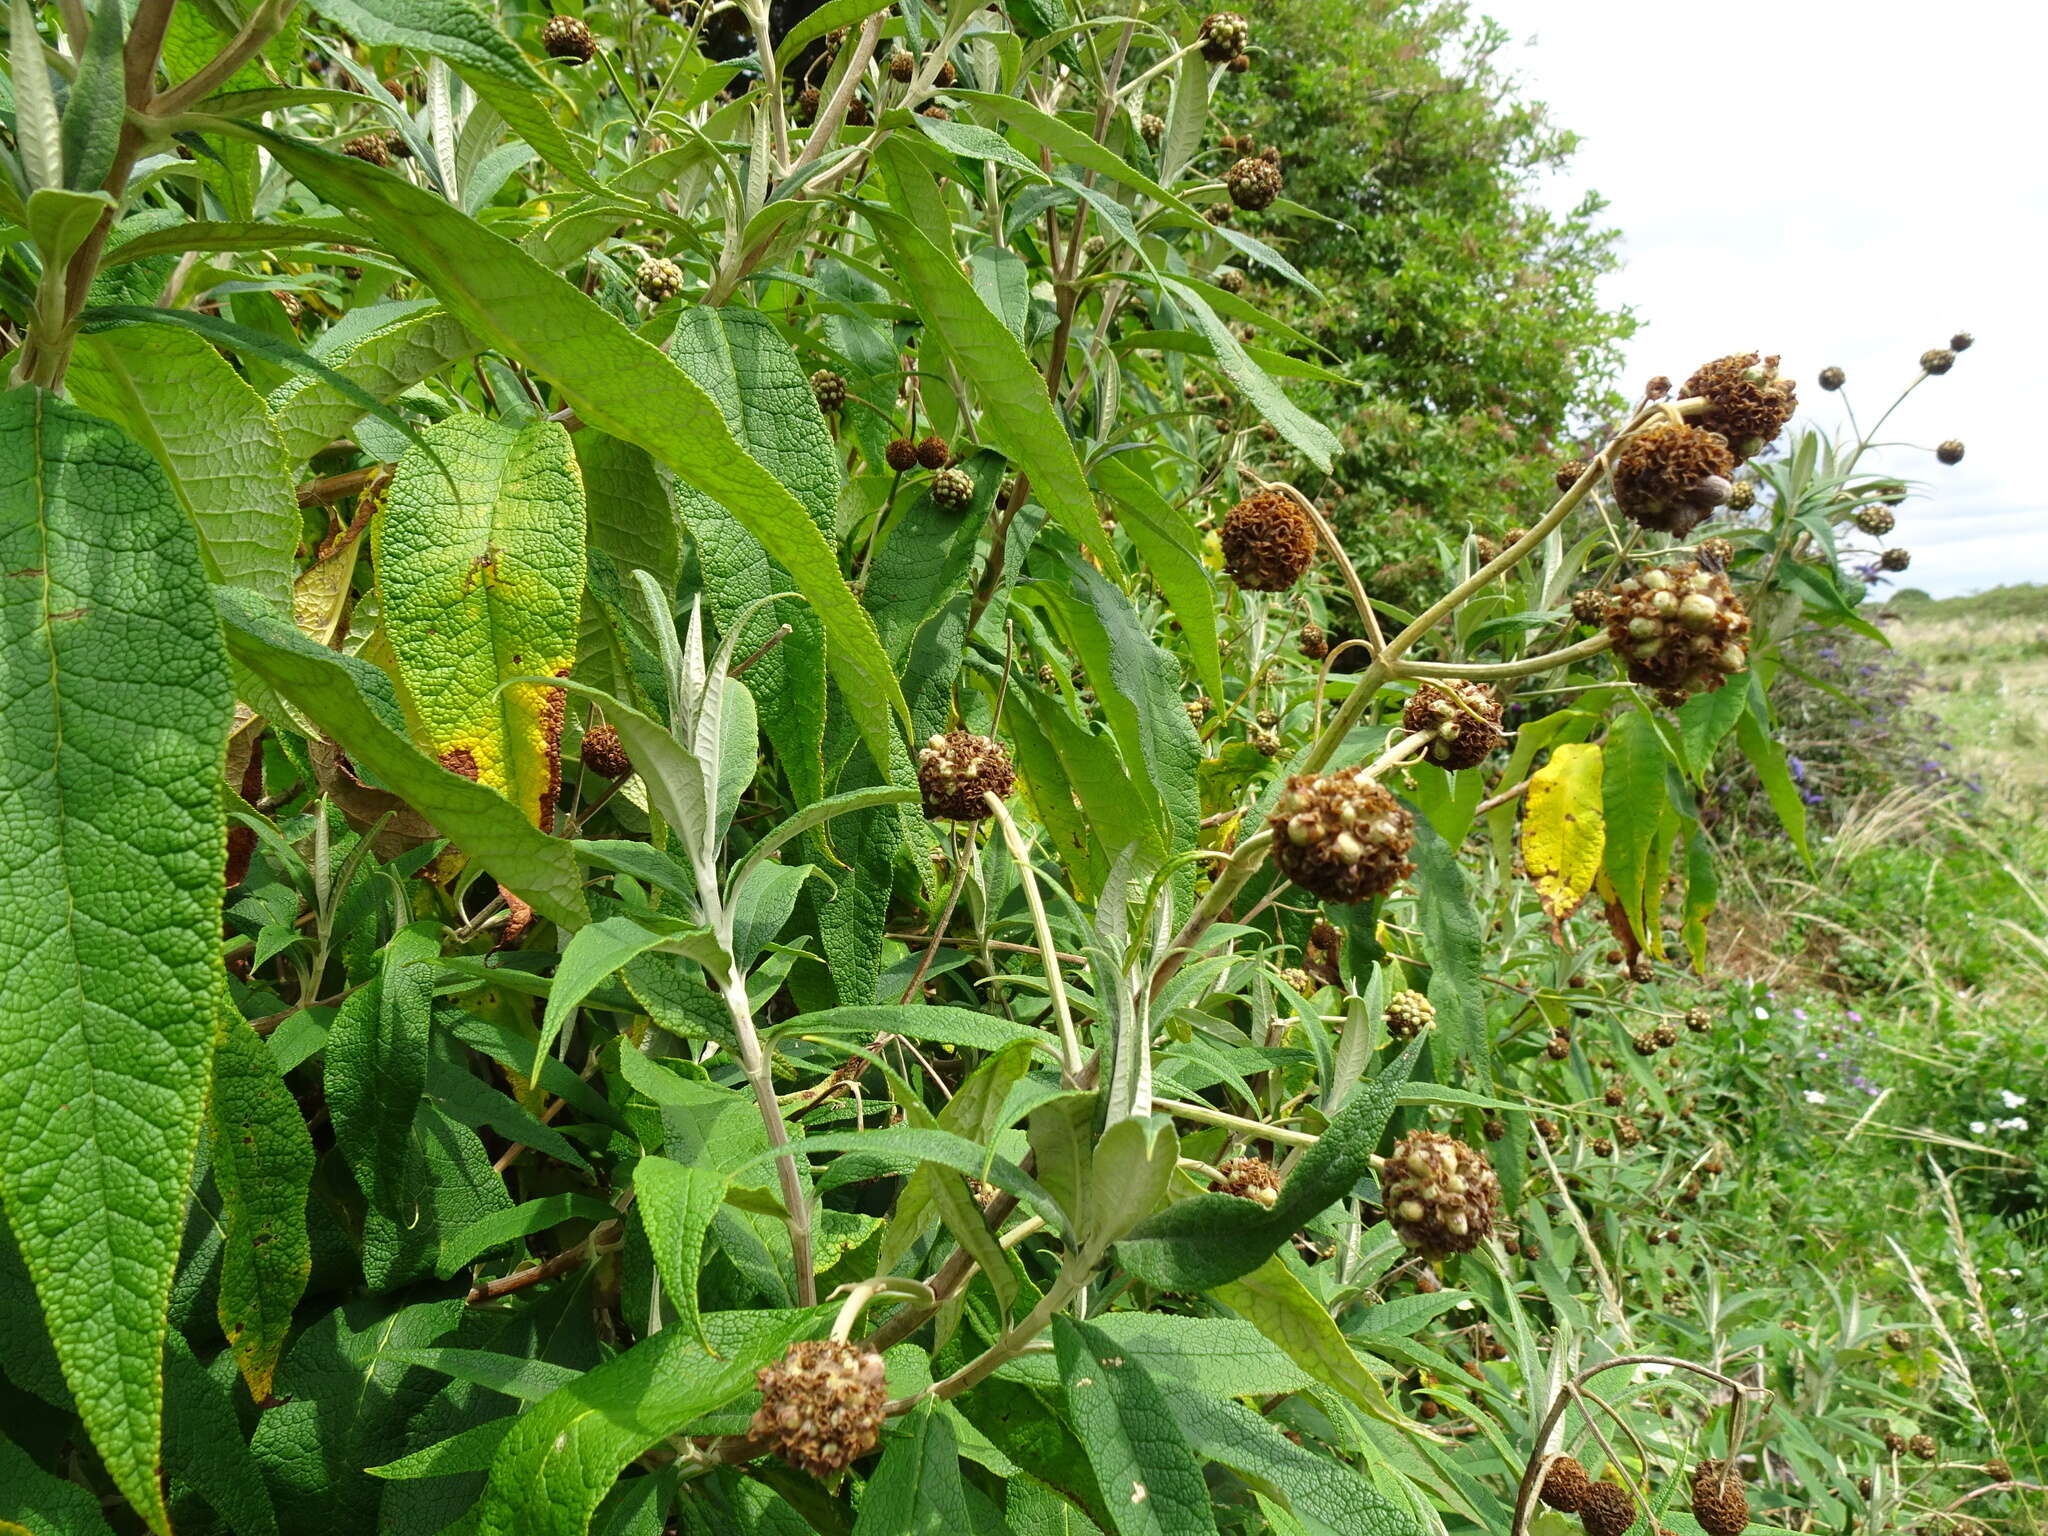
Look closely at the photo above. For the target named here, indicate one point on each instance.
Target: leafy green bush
(656, 879)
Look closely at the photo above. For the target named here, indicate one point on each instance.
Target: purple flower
(1799, 1014)
(1798, 768)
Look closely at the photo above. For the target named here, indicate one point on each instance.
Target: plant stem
(755, 1064)
(1070, 1041)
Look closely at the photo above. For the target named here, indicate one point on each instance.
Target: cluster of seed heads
(604, 754)
(1462, 717)
(952, 489)
(1679, 630)
(821, 1405)
(1268, 542)
(1441, 1196)
(1250, 1178)
(659, 279)
(828, 389)
(1340, 836)
(1254, 183)
(1671, 477)
(1950, 452)
(1409, 1014)
(957, 770)
(1748, 402)
(1877, 519)
(1224, 36)
(1698, 1020)
(568, 37)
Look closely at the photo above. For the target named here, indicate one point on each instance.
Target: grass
(1987, 663)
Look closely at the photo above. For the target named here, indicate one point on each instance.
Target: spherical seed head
(1899, 1339)
(859, 114)
(1493, 1130)
(1876, 519)
(1602, 1147)
(1441, 1196)
(1718, 1500)
(1565, 1484)
(807, 101)
(1465, 717)
(1742, 496)
(901, 455)
(1666, 1036)
(1224, 35)
(1615, 1096)
(1894, 1443)
(1645, 1043)
(1627, 1132)
(1198, 710)
(1658, 388)
(1151, 127)
(956, 770)
(1998, 1471)
(1253, 183)
(1698, 1020)
(1962, 341)
(1895, 559)
(1548, 1129)
(659, 279)
(1568, 472)
(1340, 836)
(375, 148)
(1679, 630)
(1409, 1014)
(1937, 360)
(1268, 542)
(1719, 553)
(1230, 280)
(947, 75)
(604, 754)
(1558, 1047)
(953, 489)
(936, 114)
(1590, 606)
(1248, 1178)
(902, 66)
(1607, 1510)
(933, 453)
(828, 389)
(821, 1405)
(568, 37)
(1670, 477)
(1832, 378)
(1749, 402)
(1315, 645)
(1950, 452)
(1240, 64)
(396, 147)
(1265, 741)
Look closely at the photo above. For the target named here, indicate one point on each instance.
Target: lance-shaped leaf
(173, 393)
(1212, 1239)
(263, 1163)
(676, 1204)
(619, 383)
(1632, 803)
(376, 1068)
(350, 701)
(114, 714)
(1151, 1483)
(382, 350)
(479, 551)
(1563, 828)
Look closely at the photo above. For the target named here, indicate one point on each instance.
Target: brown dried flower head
(953, 489)
(1151, 127)
(1340, 836)
(1742, 496)
(1440, 1195)
(1698, 1020)
(956, 770)
(1950, 452)
(1253, 183)
(1315, 645)
(1749, 403)
(902, 66)
(901, 455)
(1268, 542)
(933, 453)
(1877, 519)
(1923, 1446)
(821, 1405)
(1607, 1510)
(1409, 1013)
(1717, 554)
(1464, 716)
(1832, 378)
(1679, 630)
(1937, 360)
(1249, 1178)
(1671, 477)
(807, 102)
(1719, 1502)
(1962, 341)
(1565, 1484)
(1568, 472)
(1590, 606)
(604, 754)
(1895, 559)
(375, 148)
(568, 37)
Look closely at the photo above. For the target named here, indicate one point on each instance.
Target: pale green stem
(1049, 955)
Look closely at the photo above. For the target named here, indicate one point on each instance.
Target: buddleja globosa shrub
(645, 853)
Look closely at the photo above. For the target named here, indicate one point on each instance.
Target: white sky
(1842, 184)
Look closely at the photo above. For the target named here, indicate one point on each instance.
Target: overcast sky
(1842, 185)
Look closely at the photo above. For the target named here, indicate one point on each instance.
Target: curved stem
(1328, 535)
(1070, 1040)
(1528, 666)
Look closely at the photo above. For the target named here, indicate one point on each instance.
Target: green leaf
(1451, 940)
(676, 1204)
(916, 1490)
(479, 551)
(376, 1067)
(1767, 756)
(1167, 546)
(263, 1165)
(1209, 1240)
(632, 515)
(1274, 1300)
(741, 361)
(379, 351)
(97, 106)
(33, 1501)
(112, 746)
(1316, 442)
(594, 954)
(204, 1445)
(37, 131)
(491, 64)
(1017, 417)
(567, 1450)
(465, 1247)
(619, 384)
(1632, 798)
(933, 1146)
(337, 692)
(171, 391)
(58, 221)
(509, 1375)
(1150, 1481)
(937, 1023)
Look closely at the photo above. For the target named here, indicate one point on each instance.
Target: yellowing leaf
(480, 567)
(1564, 831)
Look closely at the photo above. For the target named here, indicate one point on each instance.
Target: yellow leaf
(1563, 830)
